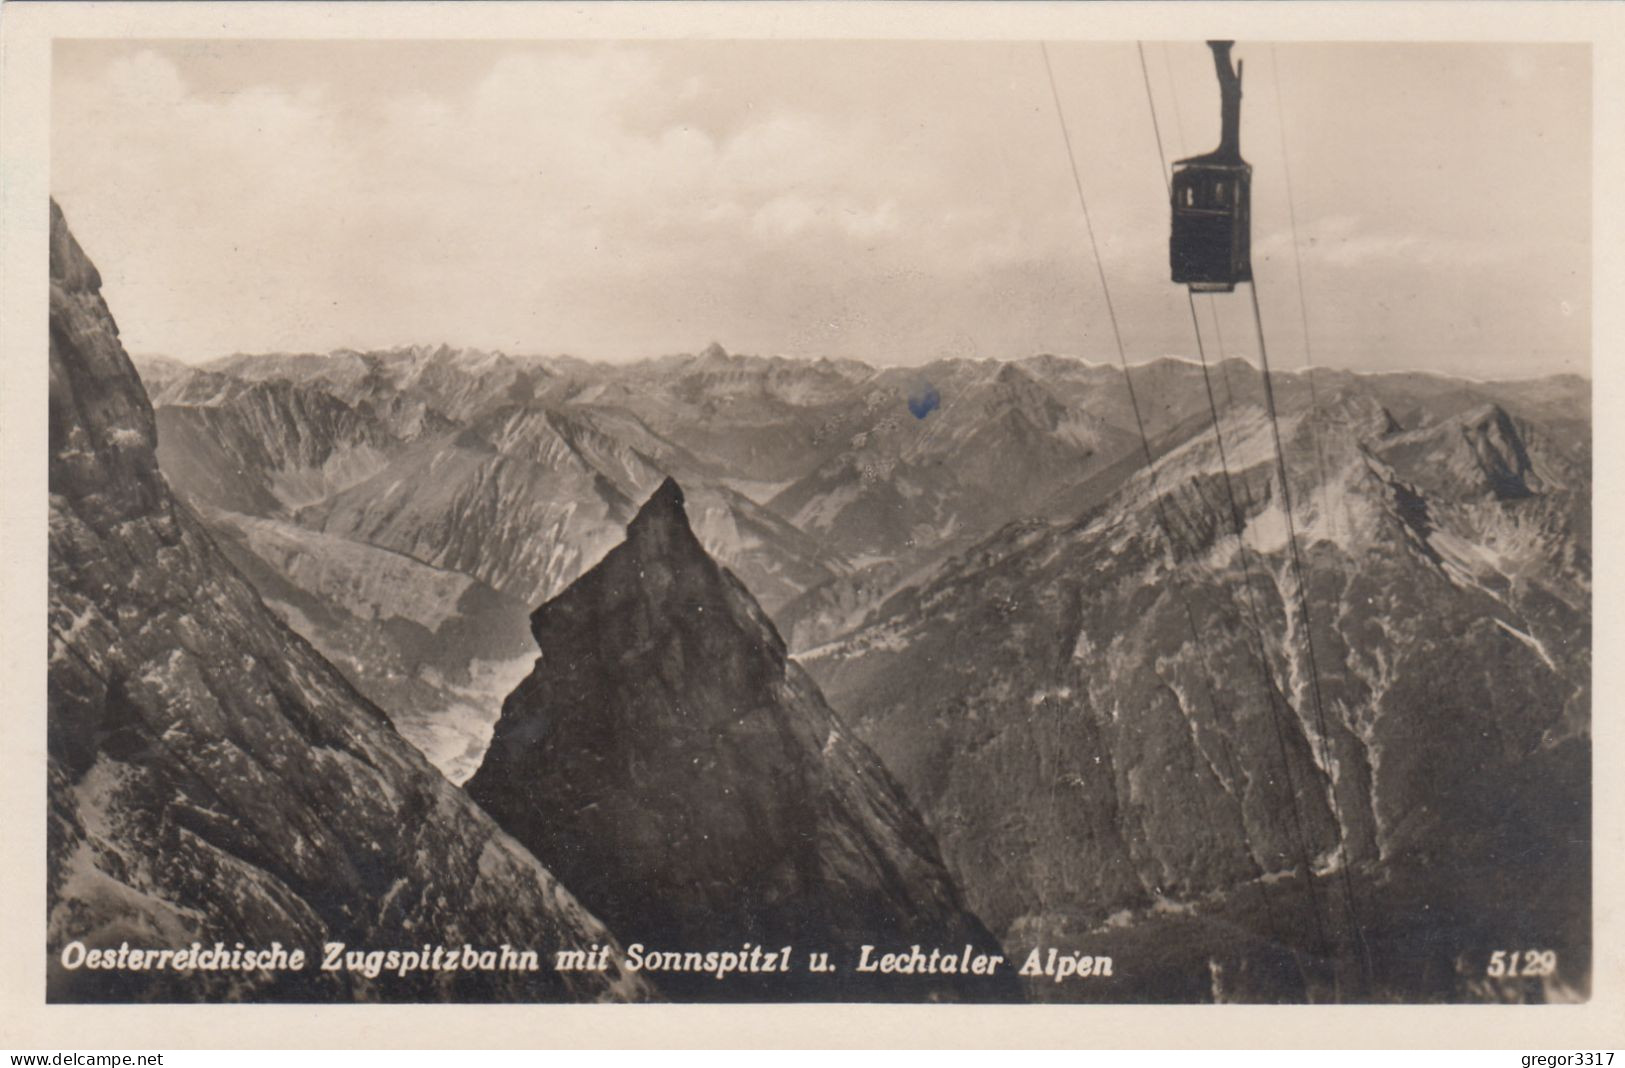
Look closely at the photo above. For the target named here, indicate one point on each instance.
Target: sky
(890, 201)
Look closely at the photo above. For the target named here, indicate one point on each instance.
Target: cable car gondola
(1210, 248)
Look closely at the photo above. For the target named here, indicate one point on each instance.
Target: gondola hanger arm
(1229, 98)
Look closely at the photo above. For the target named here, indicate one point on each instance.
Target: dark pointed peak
(1493, 421)
(667, 498)
(714, 351)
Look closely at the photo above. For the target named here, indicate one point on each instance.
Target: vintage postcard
(957, 517)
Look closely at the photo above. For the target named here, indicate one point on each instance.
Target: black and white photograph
(687, 519)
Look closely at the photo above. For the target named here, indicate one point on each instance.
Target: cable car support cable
(1303, 300)
(1300, 582)
(1156, 493)
(1239, 525)
(1210, 251)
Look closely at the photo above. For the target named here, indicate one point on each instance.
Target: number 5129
(1512, 963)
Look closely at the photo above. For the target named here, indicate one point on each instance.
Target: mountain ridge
(1450, 620)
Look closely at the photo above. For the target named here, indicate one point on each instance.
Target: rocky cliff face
(212, 778)
(667, 756)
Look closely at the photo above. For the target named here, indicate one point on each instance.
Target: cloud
(577, 170)
(618, 199)
(1342, 242)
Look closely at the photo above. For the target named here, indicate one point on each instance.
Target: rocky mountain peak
(714, 352)
(1494, 421)
(670, 762)
(662, 522)
(1501, 453)
(1012, 388)
(1484, 450)
(1012, 375)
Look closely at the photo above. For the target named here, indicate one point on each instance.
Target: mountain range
(1273, 738)
(328, 477)
(216, 783)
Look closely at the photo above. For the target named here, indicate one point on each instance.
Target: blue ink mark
(923, 400)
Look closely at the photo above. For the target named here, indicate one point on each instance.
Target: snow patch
(1529, 640)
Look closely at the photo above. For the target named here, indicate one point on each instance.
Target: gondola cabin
(1210, 248)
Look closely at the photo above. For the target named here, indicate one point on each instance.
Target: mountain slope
(267, 448)
(667, 755)
(211, 777)
(438, 649)
(528, 498)
(437, 384)
(765, 420)
(1091, 768)
(1000, 446)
